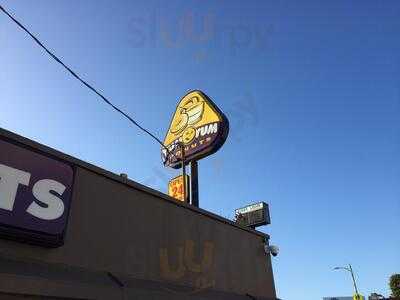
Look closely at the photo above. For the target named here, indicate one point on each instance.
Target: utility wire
(84, 82)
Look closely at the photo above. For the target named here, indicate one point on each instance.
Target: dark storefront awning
(34, 280)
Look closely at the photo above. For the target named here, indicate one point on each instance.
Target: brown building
(70, 230)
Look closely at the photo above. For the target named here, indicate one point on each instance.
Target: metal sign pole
(194, 183)
(184, 174)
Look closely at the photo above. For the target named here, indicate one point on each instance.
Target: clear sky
(311, 89)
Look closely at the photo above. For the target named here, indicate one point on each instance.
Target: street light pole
(354, 281)
(349, 269)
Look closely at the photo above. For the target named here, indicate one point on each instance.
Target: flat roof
(15, 138)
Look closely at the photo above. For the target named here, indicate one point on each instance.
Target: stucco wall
(121, 232)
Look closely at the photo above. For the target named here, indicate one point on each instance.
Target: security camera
(273, 250)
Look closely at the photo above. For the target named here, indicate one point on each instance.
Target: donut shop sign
(35, 195)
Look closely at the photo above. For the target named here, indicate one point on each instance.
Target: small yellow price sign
(175, 188)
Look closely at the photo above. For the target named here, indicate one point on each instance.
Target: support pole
(185, 184)
(194, 184)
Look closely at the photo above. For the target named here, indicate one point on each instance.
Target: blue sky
(311, 89)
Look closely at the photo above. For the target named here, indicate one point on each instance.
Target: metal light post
(349, 269)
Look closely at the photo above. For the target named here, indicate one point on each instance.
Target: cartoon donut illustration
(188, 135)
(190, 113)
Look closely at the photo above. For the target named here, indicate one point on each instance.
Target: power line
(84, 82)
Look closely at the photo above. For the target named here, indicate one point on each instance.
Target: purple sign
(35, 195)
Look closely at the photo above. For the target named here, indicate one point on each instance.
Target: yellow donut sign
(199, 125)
